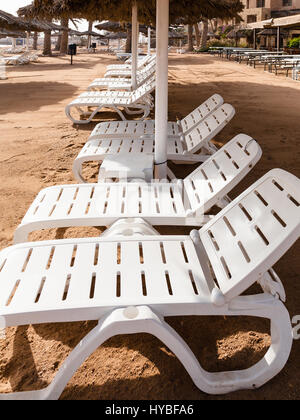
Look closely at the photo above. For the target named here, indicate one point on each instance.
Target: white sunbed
(130, 284)
(122, 83)
(159, 203)
(181, 150)
(13, 60)
(117, 70)
(138, 129)
(24, 58)
(137, 102)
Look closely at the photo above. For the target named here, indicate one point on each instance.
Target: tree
(204, 33)
(90, 28)
(58, 42)
(65, 36)
(190, 38)
(35, 40)
(128, 40)
(197, 34)
(47, 43)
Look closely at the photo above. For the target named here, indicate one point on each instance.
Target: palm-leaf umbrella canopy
(92, 33)
(30, 15)
(116, 35)
(4, 33)
(14, 23)
(110, 26)
(120, 10)
(118, 27)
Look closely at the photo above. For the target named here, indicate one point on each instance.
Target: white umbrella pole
(134, 46)
(149, 40)
(161, 96)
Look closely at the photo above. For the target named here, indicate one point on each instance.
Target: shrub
(294, 43)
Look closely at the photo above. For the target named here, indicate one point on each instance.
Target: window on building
(251, 18)
(260, 3)
(287, 3)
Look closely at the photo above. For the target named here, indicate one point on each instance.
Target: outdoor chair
(183, 202)
(181, 150)
(137, 102)
(119, 70)
(138, 129)
(129, 284)
(123, 83)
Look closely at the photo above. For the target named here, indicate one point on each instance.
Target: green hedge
(294, 43)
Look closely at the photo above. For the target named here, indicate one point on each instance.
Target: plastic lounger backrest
(143, 61)
(210, 105)
(150, 68)
(145, 74)
(210, 127)
(253, 232)
(221, 172)
(143, 90)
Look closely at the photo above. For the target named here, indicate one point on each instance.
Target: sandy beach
(37, 147)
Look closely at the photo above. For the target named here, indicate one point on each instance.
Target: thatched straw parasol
(116, 35)
(92, 33)
(12, 23)
(120, 10)
(4, 33)
(119, 27)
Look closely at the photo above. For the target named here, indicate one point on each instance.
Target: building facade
(257, 10)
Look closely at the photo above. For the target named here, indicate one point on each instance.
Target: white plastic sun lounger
(13, 60)
(138, 129)
(180, 149)
(122, 83)
(122, 70)
(137, 102)
(130, 284)
(159, 203)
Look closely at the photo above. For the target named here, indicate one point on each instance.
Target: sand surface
(37, 147)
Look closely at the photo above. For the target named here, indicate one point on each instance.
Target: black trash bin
(72, 50)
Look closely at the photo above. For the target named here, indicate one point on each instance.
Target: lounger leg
(143, 320)
(120, 321)
(77, 171)
(68, 114)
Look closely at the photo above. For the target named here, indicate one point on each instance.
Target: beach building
(258, 10)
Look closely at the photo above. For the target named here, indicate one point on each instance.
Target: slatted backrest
(220, 173)
(209, 128)
(253, 232)
(146, 73)
(143, 90)
(196, 116)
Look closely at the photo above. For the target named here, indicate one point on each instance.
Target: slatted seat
(138, 101)
(180, 149)
(137, 129)
(129, 284)
(112, 83)
(163, 203)
(115, 273)
(115, 70)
